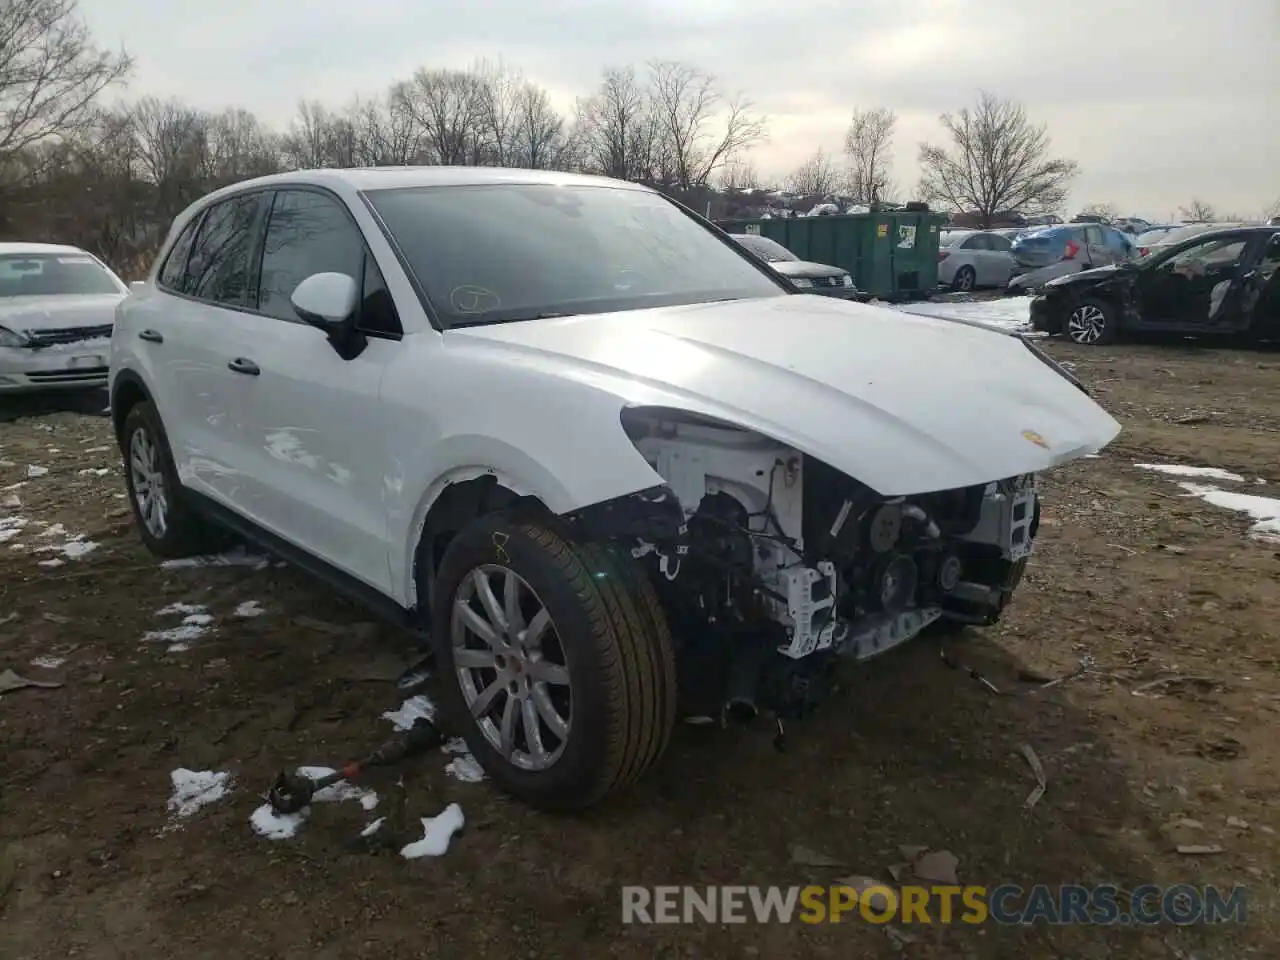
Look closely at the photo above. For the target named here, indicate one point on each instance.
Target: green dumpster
(892, 256)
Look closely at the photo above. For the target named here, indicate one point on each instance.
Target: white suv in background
(57, 306)
(584, 439)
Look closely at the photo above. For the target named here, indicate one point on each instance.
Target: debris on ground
(808, 857)
(937, 866)
(10, 681)
(1198, 850)
(411, 711)
(1037, 768)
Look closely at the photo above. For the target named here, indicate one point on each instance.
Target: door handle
(151, 336)
(247, 367)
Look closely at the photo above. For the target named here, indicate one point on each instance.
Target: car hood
(905, 404)
(32, 314)
(806, 269)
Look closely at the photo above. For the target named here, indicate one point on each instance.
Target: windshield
(499, 253)
(54, 274)
(764, 248)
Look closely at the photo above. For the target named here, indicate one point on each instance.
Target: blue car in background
(1051, 252)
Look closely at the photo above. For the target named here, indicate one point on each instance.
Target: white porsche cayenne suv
(611, 463)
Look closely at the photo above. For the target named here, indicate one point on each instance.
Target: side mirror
(326, 300)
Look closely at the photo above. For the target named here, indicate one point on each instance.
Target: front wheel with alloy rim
(1092, 323)
(965, 279)
(168, 526)
(557, 661)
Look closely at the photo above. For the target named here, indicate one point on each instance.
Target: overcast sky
(1160, 101)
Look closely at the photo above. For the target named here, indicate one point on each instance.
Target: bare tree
(997, 161)
(1272, 211)
(739, 175)
(818, 175)
(1107, 211)
(449, 107)
(700, 129)
(239, 147)
(386, 135)
(618, 128)
(50, 71)
(1197, 210)
(539, 139)
(868, 144)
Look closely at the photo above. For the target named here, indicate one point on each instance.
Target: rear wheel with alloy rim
(965, 279)
(167, 525)
(1092, 323)
(559, 665)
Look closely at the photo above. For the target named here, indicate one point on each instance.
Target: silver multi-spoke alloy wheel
(149, 492)
(511, 667)
(1086, 323)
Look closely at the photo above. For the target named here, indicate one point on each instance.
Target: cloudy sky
(1160, 101)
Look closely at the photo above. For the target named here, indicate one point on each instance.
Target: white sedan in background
(968, 259)
(57, 307)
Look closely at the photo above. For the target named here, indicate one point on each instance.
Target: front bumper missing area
(1009, 519)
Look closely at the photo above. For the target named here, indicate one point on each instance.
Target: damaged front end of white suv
(771, 565)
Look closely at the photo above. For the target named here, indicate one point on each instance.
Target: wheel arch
(127, 391)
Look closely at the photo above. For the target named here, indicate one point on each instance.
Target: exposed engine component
(774, 540)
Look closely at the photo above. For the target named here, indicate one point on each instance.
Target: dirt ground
(1144, 583)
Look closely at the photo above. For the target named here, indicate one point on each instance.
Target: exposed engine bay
(788, 561)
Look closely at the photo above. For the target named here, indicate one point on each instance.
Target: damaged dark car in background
(1224, 282)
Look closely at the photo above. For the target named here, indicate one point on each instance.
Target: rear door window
(218, 269)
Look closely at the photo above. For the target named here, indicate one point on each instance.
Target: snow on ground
(1205, 473)
(35, 470)
(250, 608)
(273, 826)
(1008, 313)
(48, 663)
(193, 790)
(239, 557)
(436, 833)
(1265, 511)
(194, 625)
(413, 709)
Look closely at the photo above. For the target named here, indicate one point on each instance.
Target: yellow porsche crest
(1035, 438)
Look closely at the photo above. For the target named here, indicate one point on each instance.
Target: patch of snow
(7, 463)
(239, 557)
(436, 833)
(94, 471)
(1178, 470)
(56, 530)
(97, 450)
(373, 828)
(195, 789)
(54, 449)
(277, 826)
(75, 549)
(10, 527)
(1265, 511)
(176, 608)
(1007, 313)
(465, 768)
(55, 562)
(48, 663)
(94, 344)
(11, 502)
(35, 470)
(194, 625)
(410, 711)
(14, 486)
(250, 608)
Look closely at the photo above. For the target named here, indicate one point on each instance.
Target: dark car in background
(1052, 252)
(1159, 239)
(820, 278)
(1225, 281)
